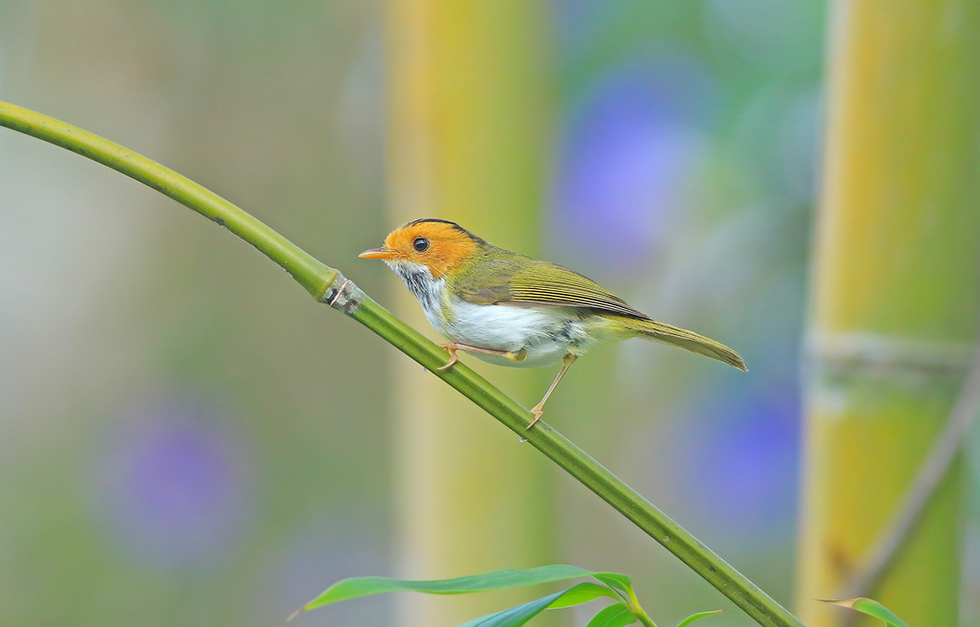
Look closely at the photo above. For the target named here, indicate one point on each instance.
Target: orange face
(438, 244)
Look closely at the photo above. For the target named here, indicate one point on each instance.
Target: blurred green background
(185, 439)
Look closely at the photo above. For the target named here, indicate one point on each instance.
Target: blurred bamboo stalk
(895, 298)
(468, 130)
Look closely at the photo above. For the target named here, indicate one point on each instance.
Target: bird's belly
(547, 334)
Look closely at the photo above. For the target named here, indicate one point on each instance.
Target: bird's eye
(420, 244)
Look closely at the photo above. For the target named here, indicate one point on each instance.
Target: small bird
(513, 310)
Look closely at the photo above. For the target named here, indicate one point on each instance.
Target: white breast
(546, 333)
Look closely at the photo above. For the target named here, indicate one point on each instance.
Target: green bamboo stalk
(466, 135)
(329, 286)
(895, 299)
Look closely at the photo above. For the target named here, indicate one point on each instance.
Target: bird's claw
(537, 416)
(453, 357)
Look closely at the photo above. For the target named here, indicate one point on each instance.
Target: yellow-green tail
(652, 330)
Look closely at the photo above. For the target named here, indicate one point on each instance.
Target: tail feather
(660, 332)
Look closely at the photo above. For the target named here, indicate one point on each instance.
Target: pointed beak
(378, 253)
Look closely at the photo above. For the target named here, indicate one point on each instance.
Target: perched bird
(513, 310)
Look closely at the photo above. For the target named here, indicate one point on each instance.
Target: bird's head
(441, 246)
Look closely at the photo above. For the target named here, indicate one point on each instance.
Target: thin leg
(452, 347)
(538, 409)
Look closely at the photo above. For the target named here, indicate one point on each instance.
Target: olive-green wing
(521, 281)
(525, 282)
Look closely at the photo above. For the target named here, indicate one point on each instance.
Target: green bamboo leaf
(510, 578)
(520, 614)
(582, 593)
(616, 580)
(515, 616)
(615, 615)
(871, 608)
(693, 617)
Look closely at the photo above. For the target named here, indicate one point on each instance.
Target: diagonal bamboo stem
(329, 286)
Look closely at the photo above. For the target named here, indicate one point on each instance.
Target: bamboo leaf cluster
(625, 609)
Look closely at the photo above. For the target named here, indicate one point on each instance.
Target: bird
(513, 310)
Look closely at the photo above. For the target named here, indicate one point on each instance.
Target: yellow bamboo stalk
(468, 118)
(895, 299)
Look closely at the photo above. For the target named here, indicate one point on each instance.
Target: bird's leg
(538, 410)
(452, 347)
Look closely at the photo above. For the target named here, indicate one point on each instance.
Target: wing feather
(544, 284)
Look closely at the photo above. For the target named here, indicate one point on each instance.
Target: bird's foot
(538, 411)
(450, 348)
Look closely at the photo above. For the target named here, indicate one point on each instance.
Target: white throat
(418, 278)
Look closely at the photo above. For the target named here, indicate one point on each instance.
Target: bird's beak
(378, 253)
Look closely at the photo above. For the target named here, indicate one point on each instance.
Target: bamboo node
(345, 297)
(883, 357)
